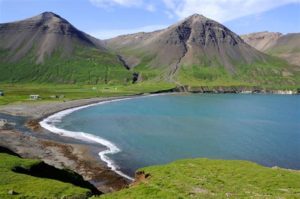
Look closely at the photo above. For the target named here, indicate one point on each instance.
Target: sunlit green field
(27, 186)
(14, 93)
(204, 178)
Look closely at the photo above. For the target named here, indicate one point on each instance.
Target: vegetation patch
(14, 184)
(15, 93)
(204, 178)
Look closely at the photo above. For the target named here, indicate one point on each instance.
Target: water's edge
(49, 122)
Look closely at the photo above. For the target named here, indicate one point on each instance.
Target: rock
(5, 125)
(140, 176)
(12, 192)
(33, 125)
(54, 96)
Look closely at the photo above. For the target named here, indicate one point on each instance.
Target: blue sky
(108, 18)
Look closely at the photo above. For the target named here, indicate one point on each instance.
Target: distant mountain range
(195, 51)
(277, 44)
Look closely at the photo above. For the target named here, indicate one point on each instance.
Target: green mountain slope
(200, 51)
(47, 48)
(196, 51)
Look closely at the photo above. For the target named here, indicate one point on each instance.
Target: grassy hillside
(27, 186)
(203, 178)
(47, 48)
(196, 51)
(87, 65)
(192, 178)
(275, 74)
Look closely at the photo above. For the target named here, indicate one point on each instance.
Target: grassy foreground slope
(204, 178)
(26, 186)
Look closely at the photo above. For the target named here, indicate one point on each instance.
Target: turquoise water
(159, 129)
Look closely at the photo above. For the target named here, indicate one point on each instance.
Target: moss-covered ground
(204, 178)
(18, 185)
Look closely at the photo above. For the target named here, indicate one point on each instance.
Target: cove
(160, 129)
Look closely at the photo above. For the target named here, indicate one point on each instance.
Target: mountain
(262, 41)
(48, 48)
(277, 44)
(196, 50)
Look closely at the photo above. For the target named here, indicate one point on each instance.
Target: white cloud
(151, 8)
(106, 34)
(124, 3)
(222, 10)
(109, 3)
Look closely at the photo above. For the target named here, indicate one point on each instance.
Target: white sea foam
(49, 124)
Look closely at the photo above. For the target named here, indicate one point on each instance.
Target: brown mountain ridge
(285, 46)
(193, 42)
(194, 51)
(48, 48)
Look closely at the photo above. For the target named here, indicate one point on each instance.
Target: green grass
(89, 73)
(204, 178)
(268, 75)
(284, 49)
(15, 93)
(32, 187)
(86, 65)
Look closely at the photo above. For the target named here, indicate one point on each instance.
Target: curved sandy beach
(57, 150)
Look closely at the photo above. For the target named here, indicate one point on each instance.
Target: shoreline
(49, 124)
(104, 177)
(60, 151)
(40, 111)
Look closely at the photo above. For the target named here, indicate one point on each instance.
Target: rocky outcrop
(5, 125)
(140, 177)
(33, 124)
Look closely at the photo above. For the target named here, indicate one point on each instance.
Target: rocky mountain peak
(50, 16)
(47, 32)
(202, 31)
(196, 40)
(196, 17)
(47, 17)
(50, 22)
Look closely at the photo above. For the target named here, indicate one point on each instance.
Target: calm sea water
(159, 129)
